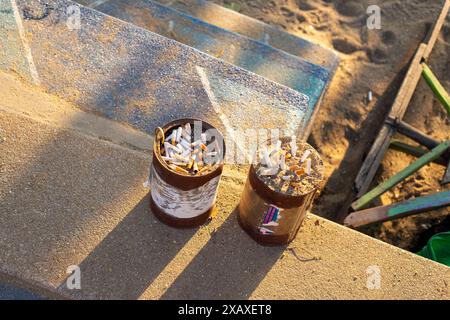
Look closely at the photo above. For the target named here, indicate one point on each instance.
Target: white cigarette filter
(283, 161)
(268, 171)
(278, 145)
(305, 155)
(188, 128)
(186, 136)
(169, 146)
(179, 132)
(169, 138)
(293, 145)
(266, 158)
(308, 166)
(185, 144)
(181, 158)
(186, 153)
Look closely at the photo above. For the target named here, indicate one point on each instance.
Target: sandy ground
(347, 123)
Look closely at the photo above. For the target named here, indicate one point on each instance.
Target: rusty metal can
(179, 200)
(272, 217)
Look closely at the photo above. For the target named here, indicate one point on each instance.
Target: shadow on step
(229, 266)
(130, 257)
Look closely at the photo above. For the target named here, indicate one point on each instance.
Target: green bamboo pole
(414, 151)
(436, 86)
(396, 179)
(398, 210)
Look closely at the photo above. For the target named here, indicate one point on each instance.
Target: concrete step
(231, 20)
(69, 198)
(10, 292)
(133, 75)
(249, 54)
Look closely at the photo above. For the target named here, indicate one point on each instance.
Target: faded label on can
(183, 204)
(271, 219)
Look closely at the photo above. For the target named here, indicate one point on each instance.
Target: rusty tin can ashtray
(281, 185)
(185, 172)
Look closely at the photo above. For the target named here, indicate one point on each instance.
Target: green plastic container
(438, 248)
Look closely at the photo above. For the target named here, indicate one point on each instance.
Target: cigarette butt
(299, 172)
(266, 158)
(186, 153)
(181, 158)
(268, 171)
(169, 138)
(186, 144)
(168, 159)
(305, 155)
(294, 167)
(191, 163)
(178, 169)
(174, 137)
(186, 136)
(294, 151)
(369, 96)
(169, 146)
(179, 131)
(308, 166)
(188, 129)
(180, 148)
(278, 145)
(204, 147)
(293, 145)
(283, 161)
(204, 169)
(195, 167)
(180, 164)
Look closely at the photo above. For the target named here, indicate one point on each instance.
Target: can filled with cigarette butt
(185, 172)
(282, 182)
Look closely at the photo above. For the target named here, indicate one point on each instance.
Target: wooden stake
(381, 144)
(399, 210)
(414, 134)
(404, 95)
(391, 182)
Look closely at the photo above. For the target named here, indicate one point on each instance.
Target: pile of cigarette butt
(187, 156)
(289, 167)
